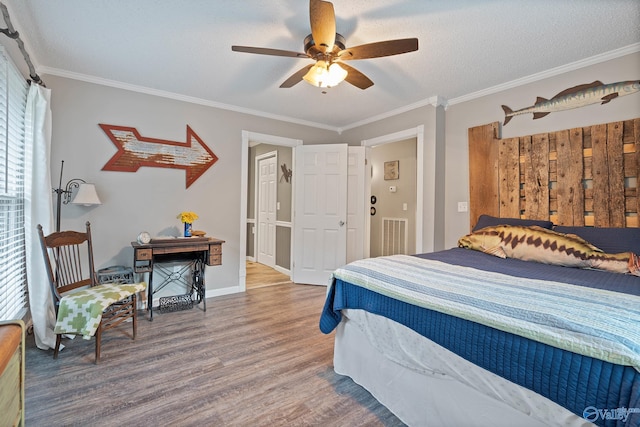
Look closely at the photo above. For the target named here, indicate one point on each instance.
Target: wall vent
(395, 235)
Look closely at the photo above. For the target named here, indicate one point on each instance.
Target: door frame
(250, 139)
(422, 153)
(258, 159)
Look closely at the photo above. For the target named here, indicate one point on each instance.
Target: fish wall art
(576, 97)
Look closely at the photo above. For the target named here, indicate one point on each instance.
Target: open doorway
(269, 209)
(266, 239)
(424, 184)
(393, 198)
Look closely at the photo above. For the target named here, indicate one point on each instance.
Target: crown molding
(435, 101)
(573, 66)
(178, 97)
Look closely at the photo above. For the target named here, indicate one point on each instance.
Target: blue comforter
(605, 393)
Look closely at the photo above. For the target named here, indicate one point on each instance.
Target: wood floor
(252, 359)
(259, 276)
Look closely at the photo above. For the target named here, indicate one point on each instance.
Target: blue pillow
(610, 240)
(491, 221)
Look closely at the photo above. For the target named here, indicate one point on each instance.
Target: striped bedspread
(592, 322)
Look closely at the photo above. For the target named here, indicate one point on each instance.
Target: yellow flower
(187, 217)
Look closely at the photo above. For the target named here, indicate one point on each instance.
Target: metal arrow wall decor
(135, 151)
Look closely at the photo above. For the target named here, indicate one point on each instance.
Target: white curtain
(38, 210)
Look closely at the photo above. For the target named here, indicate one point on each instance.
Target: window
(13, 276)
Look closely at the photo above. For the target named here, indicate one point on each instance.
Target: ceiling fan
(328, 49)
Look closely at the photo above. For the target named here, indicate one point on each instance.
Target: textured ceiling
(183, 48)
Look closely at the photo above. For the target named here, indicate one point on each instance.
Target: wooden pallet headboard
(587, 176)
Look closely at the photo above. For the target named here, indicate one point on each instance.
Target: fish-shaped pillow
(549, 247)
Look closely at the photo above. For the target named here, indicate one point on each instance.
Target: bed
(473, 358)
(453, 338)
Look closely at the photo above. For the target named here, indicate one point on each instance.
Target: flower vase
(187, 229)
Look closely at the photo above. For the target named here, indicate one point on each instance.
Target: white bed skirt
(424, 384)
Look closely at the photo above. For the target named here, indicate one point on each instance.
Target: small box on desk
(115, 274)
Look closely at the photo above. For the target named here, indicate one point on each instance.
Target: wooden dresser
(12, 355)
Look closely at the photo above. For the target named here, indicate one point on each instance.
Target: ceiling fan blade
(268, 51)
(296, 77)
(379, 49)
(323, 24)
(356, 78)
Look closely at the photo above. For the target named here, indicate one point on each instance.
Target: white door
(356, 196)
(267, 195)
(320, 232)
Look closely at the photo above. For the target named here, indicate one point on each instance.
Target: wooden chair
(68, 257)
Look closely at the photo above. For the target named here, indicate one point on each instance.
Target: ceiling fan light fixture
(327, 47)
(324, 75)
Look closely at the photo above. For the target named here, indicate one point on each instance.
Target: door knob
(341, 223)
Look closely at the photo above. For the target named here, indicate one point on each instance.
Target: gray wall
(150, 198)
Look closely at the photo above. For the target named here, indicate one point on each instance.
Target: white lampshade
(324, 75)
(86, 195)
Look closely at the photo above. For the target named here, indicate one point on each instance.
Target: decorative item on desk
(187, 218)
(144, 238)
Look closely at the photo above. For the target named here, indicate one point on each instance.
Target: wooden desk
(201, 251)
